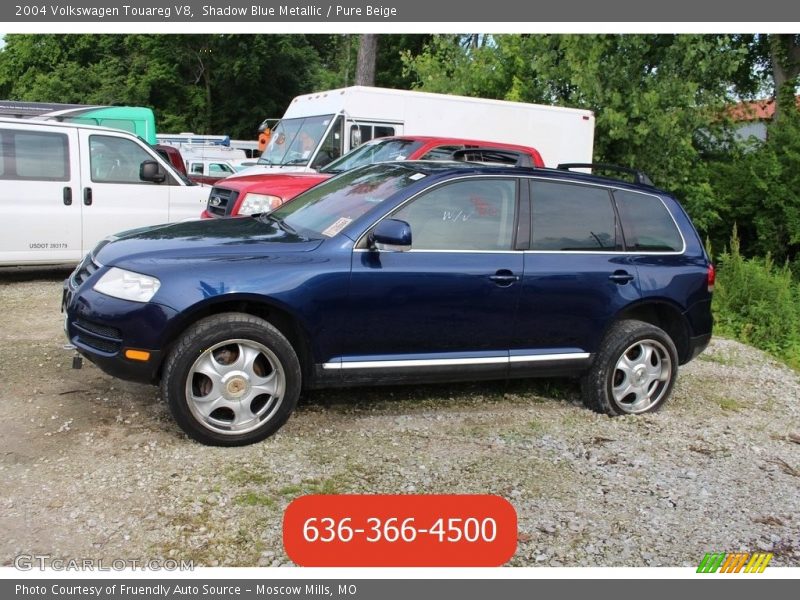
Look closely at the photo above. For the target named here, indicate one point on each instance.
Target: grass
(254, 499)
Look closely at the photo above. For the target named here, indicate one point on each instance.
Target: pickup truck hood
(220, 239)
(284, 185)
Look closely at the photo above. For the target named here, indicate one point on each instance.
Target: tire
(231, 379)
(634, 371)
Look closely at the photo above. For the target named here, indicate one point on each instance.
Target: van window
(555, 226)
(331, 147)
(219, 170)
(115, 160)
(34, 155)
(368, 132)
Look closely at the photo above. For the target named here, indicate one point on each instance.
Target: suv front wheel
(232, 379)
(633, 372)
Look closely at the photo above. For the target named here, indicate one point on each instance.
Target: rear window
(569, 217)
(646, 223)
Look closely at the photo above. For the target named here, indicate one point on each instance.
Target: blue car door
(448, 304)
(576, 276)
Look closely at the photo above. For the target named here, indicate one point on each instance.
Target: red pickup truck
(251, 194)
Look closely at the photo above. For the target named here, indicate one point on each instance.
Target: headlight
(259, 203)
(127, 285)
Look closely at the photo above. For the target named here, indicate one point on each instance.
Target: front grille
(85, 270)
(97, 336)
(98, 344)
(96, 328)
(221, 201)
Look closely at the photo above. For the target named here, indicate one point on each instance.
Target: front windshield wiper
(294, 161)
(280, 223)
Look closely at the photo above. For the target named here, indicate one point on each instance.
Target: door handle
(87, 196)
(504, 278)
(67, 196)
(621, 277)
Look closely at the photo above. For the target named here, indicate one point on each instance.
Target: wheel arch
(272, 311)
(665, 315)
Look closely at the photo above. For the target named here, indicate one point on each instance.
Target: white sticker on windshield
(417, 176)
(400, 157)
(306, 154)
(337, 227)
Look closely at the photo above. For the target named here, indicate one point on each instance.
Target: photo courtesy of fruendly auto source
(388, 301)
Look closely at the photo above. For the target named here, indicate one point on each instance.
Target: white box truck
(66, 186)
(318, 128)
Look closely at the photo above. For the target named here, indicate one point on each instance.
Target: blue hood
(213, 239)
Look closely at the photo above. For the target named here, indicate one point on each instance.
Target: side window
(360, 134)
(31, 155)
(219, 170)
(572, 217)
(197, 169)
(115, 160)
(331, 147)
(646, 223)
(475, 214)
(382, 131)
(440, 153)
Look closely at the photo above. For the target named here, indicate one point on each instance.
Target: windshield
(293, 141)
(373, 152)
(328, 208)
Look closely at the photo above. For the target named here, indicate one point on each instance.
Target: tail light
(712, 277)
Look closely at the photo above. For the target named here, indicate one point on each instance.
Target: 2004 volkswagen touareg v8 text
(401, 272)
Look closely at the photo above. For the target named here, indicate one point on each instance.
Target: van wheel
(232, 379)
(633, 373)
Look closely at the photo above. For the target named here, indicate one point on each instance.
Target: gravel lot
(94, 467)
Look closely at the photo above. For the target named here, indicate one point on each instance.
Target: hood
(219, 239)
(284, 185)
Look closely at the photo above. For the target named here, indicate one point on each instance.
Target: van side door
(39, 194)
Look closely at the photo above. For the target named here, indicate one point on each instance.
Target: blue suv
(401, 273)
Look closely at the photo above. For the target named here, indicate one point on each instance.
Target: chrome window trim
(510, 251)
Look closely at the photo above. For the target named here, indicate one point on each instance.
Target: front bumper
(102, 328)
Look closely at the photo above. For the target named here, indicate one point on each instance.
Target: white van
(64, 187)
(320, 127)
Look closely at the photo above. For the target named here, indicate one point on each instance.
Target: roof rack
(502, 156)
(639, 177)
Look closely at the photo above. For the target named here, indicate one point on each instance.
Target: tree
(207, 83)
(367, 58)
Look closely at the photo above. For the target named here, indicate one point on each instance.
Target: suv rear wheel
(634, 372)
(232, 379)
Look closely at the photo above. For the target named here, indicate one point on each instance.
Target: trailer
(318, 128)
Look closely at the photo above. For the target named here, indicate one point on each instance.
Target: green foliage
(207, 83)
(759, 189)
(758, 303)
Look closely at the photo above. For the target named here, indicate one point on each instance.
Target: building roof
(757, 110)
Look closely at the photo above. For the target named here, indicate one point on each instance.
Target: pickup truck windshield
(326, 209)
(373, 152)
(293, 141)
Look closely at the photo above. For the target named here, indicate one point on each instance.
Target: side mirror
(150, 170)
(355, 137)
(391, 235)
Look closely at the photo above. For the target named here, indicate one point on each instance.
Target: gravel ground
(94, 467)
